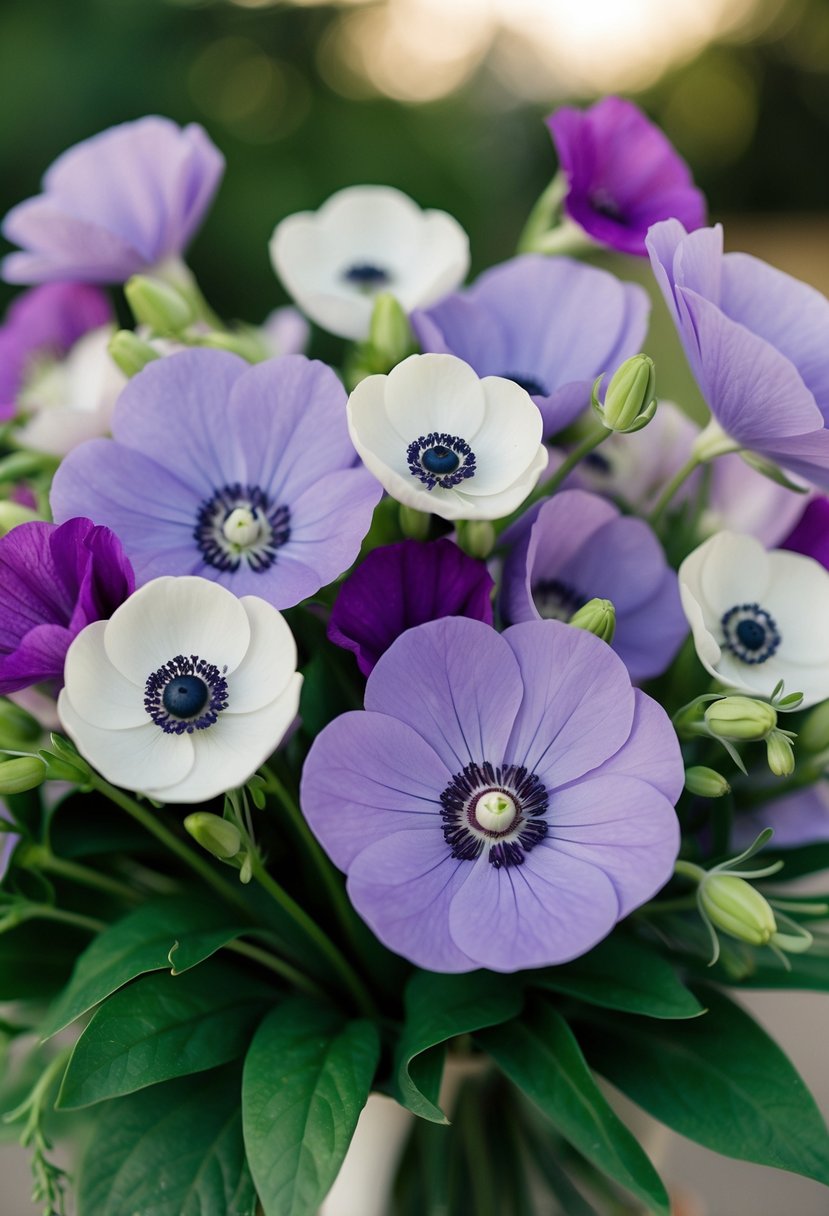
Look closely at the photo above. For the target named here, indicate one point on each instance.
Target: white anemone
(364, 240)
(758, 617)
(184, 692)
(439, 439)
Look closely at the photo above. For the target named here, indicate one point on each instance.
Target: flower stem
(542, 215)
(265, 959)
(587, 445)
(47, 912)
(40, 857)
(678, 479)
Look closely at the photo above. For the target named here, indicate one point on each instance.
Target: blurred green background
(442, 98)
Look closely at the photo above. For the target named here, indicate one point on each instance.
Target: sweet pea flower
(54, 580)
(575, 547)
(440, 440)
(756, 342)
(758, 617)
(126, 200)
(810, 535)
(184, 692)
(244, 475)
(623, 174)
(503, 800)
(362, 241)
(550, 324)
(398, 586)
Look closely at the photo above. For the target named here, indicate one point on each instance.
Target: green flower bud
(414, 524)
(740, 718)
(163, 307)
(737, 908)
(130, 353)
(390, 334)
(630, 400)
(17, 728)
(596, 616)
(21, 774)
(814, 733)
(218, 836)
(244, 342)
(705, 782)
(476, 537)
(14, 513)
(780, 754)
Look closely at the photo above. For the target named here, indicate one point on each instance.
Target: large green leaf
(172, 1150)
(439, 1007)
(187, 927)
(540, 1055)
(623, 974)
(307, 1077)
(720, 1080)
(161, 1027)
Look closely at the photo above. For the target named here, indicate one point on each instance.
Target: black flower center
(557, 600)
(602, 201)
(498, 809)
(367, 277)
(240, 525)
(750, 633)
(185, 694)
(536, 388)
(440, 460)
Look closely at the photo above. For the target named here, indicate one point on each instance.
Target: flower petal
(269, 662)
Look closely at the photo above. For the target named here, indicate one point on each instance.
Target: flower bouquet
(433, 736)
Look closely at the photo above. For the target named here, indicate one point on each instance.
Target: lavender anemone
(503, 800)
(244, 475)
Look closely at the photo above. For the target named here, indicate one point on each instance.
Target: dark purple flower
(756, 342)
(503, 800)
(118, 203)
(576, 546)
(810, 534)
(44, 324)
(623, 174)
(550, 324)
(399, 586)
(54, 581)
(244, 475)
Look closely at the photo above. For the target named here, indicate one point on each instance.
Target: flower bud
(414, 524)
(390, 334)
(740, 718)
(21, 774)
(630, 400)
(18, 728)
(130, 353)
(218, 836)
(737, 908)
(705, 782)
(158, 305)
(780, 754)
(813, 735)
(14, 513)
(476, 537)
(597, 616)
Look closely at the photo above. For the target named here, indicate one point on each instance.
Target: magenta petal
(811, 533)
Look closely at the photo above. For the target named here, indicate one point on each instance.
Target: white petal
(136, 757)
(372, 431)
(98, 691)
(171, 616)
(507, 441)
(735, 570)
(798, 600)
(270, 661)
(707, 647)
(434, 393)
(229, 752)
(496, 506)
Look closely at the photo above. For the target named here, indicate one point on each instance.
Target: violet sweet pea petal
(810, 535)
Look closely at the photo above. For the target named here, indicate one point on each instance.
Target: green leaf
(438, 1008)
(720, 1080)
(623, 974)
(172, 1150)
(185, 928)
(540, 1055)
(161, 1027)
(307, 1076)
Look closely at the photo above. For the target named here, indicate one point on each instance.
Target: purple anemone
(503, 800)
(118, 203)
(244, 475)
(44, 324)
(810, 534)
(576, 546)
(623, 174)
(398, 586)
(54, 581)
(756, 342)
(550, 324)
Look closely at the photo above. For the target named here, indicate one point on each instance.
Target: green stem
(153, 824)
(678, 479)
(286, 972)
(39, 857)
(46, 912)
(587, 445)
(542, 214)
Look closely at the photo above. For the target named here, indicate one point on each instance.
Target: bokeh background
(444, 99)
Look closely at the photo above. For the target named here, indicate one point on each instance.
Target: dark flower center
(240, 524)
(440, 460)
(185, 694)
(367, 277)
(557, 600)
(750, 633)
(499, 809)
(602, 201)
(529, 384)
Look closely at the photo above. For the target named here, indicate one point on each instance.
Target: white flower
(364, 240)
(439, 439)
(71, 400)
(758, 617)
(184, 692)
